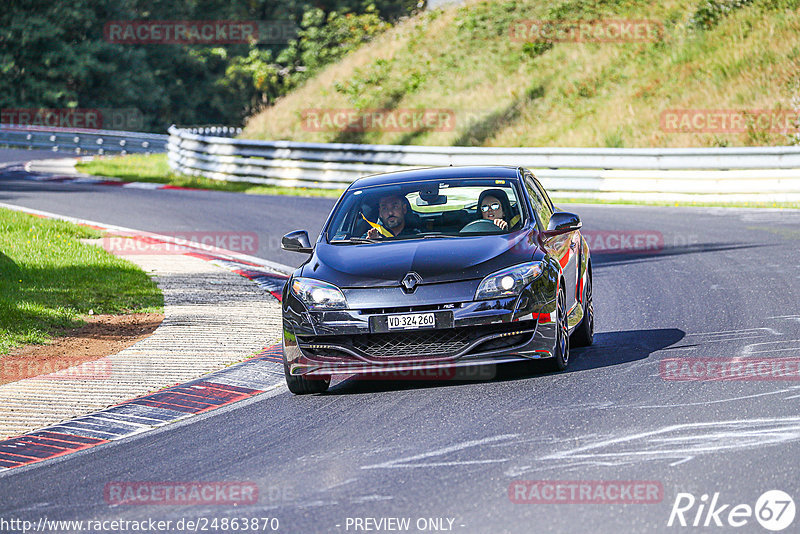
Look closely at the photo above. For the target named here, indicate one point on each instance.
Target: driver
(493, 205)
(392, 210)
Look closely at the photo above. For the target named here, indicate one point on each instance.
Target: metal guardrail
(744, 173)
(81, 142)
(771, 173)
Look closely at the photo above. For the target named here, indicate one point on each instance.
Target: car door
(563, 247)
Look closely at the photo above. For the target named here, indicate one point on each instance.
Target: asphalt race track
(719, 283)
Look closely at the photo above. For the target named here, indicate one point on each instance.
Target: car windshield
(427, 209)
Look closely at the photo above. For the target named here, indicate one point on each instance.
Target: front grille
(410, 344)
(442, 343)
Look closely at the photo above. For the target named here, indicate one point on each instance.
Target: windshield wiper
(355, 241)
(436, 236)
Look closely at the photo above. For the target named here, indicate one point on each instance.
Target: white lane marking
(448, 464)
(612, 406)
(404, 462)
(340, 484)
(749, 349)
(718, 401)
(371, 498)
(736, 333)
(314, 504)
(708, 340)
(680, 443)
(773, 350)
(728, 335)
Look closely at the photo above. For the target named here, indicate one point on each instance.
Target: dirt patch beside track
(103, 335)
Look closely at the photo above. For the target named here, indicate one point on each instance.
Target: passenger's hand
(501, 223)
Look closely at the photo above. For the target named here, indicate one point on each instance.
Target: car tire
(583, 336)
(560, 359)
(303, 386)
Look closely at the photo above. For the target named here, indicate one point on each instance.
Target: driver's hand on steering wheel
(374, 234)
(501, 223)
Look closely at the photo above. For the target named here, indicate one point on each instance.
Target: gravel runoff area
(213, 318)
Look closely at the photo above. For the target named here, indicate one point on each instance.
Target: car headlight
(508, 282)
(318, 295)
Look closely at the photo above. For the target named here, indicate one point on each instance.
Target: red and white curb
(252, 377)
(63, 171)
(256, 375)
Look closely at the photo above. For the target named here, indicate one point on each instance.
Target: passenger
(392, 210)
(493, 205)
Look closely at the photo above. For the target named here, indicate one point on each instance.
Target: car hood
(435, 260)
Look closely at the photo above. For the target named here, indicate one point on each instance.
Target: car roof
(465, 171)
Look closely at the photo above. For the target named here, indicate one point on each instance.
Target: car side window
(541, 204)
(544, 194)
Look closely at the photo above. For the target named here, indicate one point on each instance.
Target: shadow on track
(603, 259)
(609, 348)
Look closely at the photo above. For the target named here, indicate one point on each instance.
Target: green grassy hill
(503, 91)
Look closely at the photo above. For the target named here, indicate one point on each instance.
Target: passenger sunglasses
(495, 207)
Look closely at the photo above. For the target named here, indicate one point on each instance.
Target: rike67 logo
(774, 510)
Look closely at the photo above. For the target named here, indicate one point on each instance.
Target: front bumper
(468, 334)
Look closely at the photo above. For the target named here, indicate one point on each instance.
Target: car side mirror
(296, 241)
(563, 222)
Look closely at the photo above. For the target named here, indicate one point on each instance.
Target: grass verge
(504, 84)
(154, 168)
(49, 280)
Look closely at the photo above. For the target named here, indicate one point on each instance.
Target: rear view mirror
(296, 241)
(433, 201)
(429, 196)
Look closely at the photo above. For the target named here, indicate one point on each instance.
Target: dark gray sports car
(438, 268)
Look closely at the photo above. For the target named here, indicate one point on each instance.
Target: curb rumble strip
(190, 346)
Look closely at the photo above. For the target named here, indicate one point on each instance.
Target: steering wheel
(480, 226)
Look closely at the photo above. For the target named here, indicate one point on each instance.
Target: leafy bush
(709, 12)
(325, 38)
(54, 55)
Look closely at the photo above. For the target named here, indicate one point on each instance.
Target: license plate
(411, 320)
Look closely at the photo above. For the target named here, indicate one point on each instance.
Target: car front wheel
(583, 336)
(560, 359)
(300, 385)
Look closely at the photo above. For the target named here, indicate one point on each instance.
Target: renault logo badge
(410, 282)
